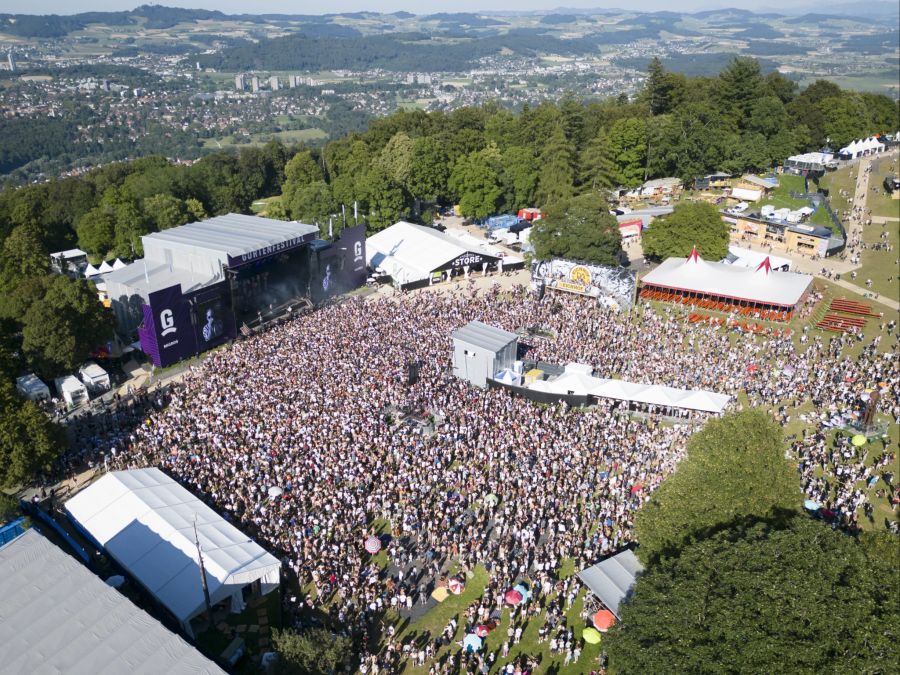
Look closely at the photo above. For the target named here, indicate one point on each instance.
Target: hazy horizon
(338, 6)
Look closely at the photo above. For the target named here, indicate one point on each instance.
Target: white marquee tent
(576, 381)
(57, 617)
(145, 521)
(762, 285)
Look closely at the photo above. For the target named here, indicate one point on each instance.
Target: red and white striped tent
(762, 286)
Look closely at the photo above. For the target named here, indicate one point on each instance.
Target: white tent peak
(694, 257)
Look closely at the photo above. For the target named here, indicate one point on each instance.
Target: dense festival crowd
(453, 478)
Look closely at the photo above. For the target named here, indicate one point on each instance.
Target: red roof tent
(530, 214)
(781, 289)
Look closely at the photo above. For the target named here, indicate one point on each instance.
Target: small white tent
(72, 390)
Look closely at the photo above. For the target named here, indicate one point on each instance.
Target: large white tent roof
(145, 520)
(578, 383)
(57, 617)
(762, 285)
(410, 252)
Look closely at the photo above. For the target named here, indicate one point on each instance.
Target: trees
(430, 170)
(735, 468)
(97, 231)
(787, 597)
(477, 185)
(61, 327)
(29, 441)
(628, 144)
(596, 167)
(579, 228)
(313, 203)
(385, 199)
(556, 174)
(313, 651)
(166, 211)
(690, 224)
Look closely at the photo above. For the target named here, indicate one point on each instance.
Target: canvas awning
(611, 579)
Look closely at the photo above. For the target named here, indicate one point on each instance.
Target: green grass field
(880, 202)
(781, 198)
(288, 137)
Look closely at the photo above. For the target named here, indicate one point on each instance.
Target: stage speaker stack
(412, 373)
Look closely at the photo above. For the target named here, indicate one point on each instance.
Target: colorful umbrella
(522, 590)
(752, 368)
(604, 620)
(513, 597)
(858, 440)
(491, 499)
(482, 631)
(275, 492)
(810, 505)
(472, 643)
(591, 636)
(455, 586)
(373, 545)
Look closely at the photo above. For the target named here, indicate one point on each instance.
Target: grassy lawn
(880, 266)
(288, 137)
(879, 202)
(434, 622)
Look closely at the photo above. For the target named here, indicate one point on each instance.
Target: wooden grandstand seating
(851, 307)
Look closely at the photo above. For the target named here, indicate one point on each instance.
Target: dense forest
(487, 159)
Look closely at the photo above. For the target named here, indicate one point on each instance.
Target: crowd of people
(453, 478)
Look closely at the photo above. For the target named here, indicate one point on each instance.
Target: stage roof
(58, 617)
(145, 520)
(763, 285)
(612, 579)
(232, 234)
(482, 335)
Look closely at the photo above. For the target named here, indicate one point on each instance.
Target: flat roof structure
(762, 285)
(145, 520)
(232, 235)
(482, 335)
(58, 617)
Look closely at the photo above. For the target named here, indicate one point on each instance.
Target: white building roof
(145, 520)
(231, 235)
(411, 252)
(746, 194)
(58, 617)
(68, 254)
(762, 285)
(69, 383)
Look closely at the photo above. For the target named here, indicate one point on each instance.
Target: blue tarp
(500, 222)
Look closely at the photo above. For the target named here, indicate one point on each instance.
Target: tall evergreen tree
(556, 169)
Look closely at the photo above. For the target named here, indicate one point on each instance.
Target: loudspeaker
(412, 373)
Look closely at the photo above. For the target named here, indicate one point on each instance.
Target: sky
(427, 7)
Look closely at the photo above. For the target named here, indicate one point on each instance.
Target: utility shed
(58, 617)
(480, 351)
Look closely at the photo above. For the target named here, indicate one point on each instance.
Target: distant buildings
(239, 82)
(11, 60)
(254, 84)
(273, 83)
